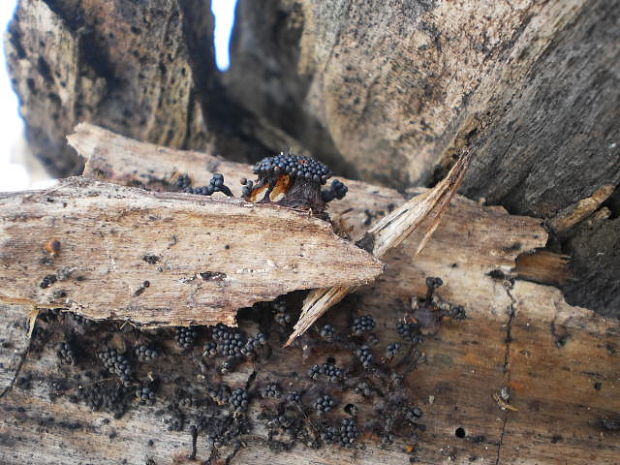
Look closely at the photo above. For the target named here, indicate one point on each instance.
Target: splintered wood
(429, 208)
(108, 251)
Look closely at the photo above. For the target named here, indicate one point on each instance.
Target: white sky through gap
(13, 174)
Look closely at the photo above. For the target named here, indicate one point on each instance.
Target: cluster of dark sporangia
(185, 337)
(297, 179)
(230, 343)
(333, 373)
(365, 356)
(294, 165)
(315, 371)
(392, 349)
(210, 349)
(340, 359)
(233, 343)
(254, 342)
(117, 364)
(145, 394)
(409, 332)
(66, 355)
(239, 399)
(98, 396)
(220, 394)
(293, 397)
(286, 179)
(47, 281)
(324, 404)
(364, 389)
(348, 432)
(216, 184)
(272, 390)
(282, 317)
(145, 353)
(363, 324)
(80, 320)
(328, 332)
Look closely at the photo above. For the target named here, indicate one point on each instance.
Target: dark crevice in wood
(506, 368)
(22, 358)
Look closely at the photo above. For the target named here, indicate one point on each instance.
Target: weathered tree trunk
(396, 88)
(385, 92)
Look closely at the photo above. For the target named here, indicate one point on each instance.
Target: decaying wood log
(124, 65)
(543, 266)
(145, 70)
(524, 379)
(14, 340)
(173, 259)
